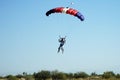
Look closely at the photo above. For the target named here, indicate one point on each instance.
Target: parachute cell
(66, 10)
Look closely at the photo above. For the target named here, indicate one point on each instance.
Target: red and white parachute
(66, 10)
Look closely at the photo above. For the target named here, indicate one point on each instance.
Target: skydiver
(62, 42)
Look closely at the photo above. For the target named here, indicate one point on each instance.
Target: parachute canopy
(66, 10)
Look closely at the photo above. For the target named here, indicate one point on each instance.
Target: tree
(81, 75)
(58, 75)
(19, 76)
(108, 74)
(54, 74)
(42, 75)
(93, 74)
(1, 77)
(117, 75)
(24, 73)
(70, 75)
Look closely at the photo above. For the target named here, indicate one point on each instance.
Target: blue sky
(29, 39)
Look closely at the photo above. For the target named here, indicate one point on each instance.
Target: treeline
(57, 75)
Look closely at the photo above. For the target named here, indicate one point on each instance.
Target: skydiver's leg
(59, 49)
(62, 49)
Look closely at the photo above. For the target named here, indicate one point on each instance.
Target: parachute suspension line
(70, 4)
